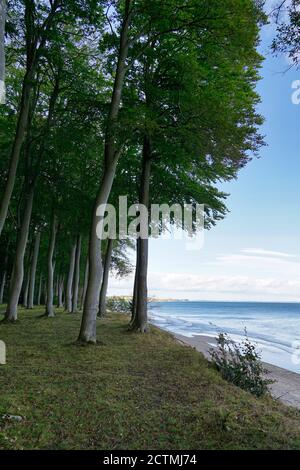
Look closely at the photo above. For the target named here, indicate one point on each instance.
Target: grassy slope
(128, 392)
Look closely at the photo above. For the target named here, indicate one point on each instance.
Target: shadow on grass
(81, 344)
(5, 321)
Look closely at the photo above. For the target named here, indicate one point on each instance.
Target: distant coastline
(160, 299)
(150, 299)
(153, 299)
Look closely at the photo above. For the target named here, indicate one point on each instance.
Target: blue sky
(254, 254)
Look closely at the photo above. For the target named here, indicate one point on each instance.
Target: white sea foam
(272, 327)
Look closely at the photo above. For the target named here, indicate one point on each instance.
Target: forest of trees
(153, 100)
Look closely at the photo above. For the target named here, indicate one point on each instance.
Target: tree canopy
(153, 100)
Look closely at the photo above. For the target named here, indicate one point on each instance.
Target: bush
(119, 304)
(240, 364)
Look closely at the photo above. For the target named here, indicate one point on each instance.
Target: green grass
(131, 391)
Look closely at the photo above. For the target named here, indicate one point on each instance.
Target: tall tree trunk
(134, 296)
(140, 322)
(70, 279)
(33, 269)
(4, 276)
(16, 148)
(26, 280)
(50, 267)
(91, 304)
(60, 303)
(106, 268)
(56, 286)
(86, 276)
(30, 182)
(111, 154)
(26, 285)
(24, 120)
(45, 292)
(2, 53)
(33, 54)
(2, 287)
(40, 291)
(18, 266)
(141, 317)
(76, 276)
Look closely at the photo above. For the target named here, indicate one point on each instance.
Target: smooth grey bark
(70, 279)
(104, 285)
(18, 267)
(16, 281)
(50, 267)
(134, 296)
(24, 118)
(45, 292)
(140, 321)
(4, 276)
(60, 302)
(2, 287)
(40, 291)
(76, 276)
(31, 180)
(33, 53)
(33, 269)
(56, 287)
(26, 280)
(2, 52)
(16, 149)
(86, 276)
(26, 285)
(87, 332)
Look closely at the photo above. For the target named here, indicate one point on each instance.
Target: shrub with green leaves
(119, 304)
(240, 364)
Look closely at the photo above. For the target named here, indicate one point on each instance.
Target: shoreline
(287, 386)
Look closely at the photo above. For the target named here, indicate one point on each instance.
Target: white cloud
(195, 286)
(259, 259)
(256, 261)
(253, 274)
(260, 251)
(193, 282)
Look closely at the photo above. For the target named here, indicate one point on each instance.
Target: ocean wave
(273, 335)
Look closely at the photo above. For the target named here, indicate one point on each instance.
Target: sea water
(273, 327)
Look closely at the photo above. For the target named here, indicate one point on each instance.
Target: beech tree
(110, 159)
(56, 84)
(38, 26)
(135, 27)
(151, 99)
(50, 264)
(33, 268)
(31, 25)
(196, 121)
(2, 53)
(29, 188)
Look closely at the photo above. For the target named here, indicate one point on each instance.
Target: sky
(254, 253)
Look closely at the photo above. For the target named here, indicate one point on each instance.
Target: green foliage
(189, 85)
(192, 90)
(287, 40)
(240, 364)
(120, 262)
(119, 304)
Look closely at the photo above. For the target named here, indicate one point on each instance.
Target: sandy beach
(287, 385)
